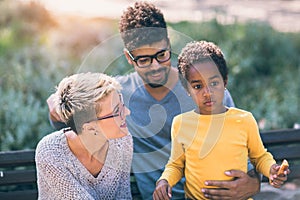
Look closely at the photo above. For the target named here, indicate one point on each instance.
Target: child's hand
(278, 174)
(163, 191)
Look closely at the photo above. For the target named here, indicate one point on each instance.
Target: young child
(213, 138)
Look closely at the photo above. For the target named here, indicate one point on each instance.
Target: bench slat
(17, 158)
(281, 136)
(295, 172)
(18, 177)
(288, 152)
(17, 195)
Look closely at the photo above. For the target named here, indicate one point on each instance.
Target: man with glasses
(154, 96)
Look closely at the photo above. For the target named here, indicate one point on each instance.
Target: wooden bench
(18, 174)
(284, 144)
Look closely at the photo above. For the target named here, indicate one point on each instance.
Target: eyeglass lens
(122, 107)
(146, 61)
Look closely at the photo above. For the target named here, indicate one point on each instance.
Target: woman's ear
(129, 60)
(88, 127)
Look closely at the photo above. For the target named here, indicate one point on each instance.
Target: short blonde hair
(77, 96)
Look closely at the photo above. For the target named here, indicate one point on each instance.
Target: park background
(43, 41)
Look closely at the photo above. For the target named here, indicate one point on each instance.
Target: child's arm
(162, 190)
(278, 174)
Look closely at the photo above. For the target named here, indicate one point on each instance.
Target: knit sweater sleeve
(124, 191)
(54, 179)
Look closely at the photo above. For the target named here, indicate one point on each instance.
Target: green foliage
(27, 78)
(264, 66)
(264, 69)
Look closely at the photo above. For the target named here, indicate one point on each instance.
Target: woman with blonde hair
(91, 158)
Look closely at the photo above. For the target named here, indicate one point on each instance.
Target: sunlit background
(43, 41)
(87, 8)
(281, 14)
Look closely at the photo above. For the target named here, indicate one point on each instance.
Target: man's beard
(165, 80)
(154, 85)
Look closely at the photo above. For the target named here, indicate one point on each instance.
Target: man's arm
(228, 101)
(242, 187)
(54, 118)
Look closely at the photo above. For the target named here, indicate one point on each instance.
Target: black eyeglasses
(146, 60)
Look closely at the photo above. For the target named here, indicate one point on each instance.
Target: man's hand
(162, 191)
(51, 105)
(242, 187)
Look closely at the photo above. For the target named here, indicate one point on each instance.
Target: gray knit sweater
(62, 176)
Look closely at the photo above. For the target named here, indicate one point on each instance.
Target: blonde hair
(78, 95)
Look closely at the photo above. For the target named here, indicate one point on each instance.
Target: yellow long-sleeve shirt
(205, 146)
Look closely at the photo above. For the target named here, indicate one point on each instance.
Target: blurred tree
(37, 51)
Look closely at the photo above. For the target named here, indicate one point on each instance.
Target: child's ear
(225, 82)
(187, 90)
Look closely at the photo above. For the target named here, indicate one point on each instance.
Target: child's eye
(198, 86)
(214, 83)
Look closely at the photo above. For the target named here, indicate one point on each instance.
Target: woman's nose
(127, 111)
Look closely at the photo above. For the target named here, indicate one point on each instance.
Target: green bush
(264, 69)
(264, 66)
(27, 75)
(27, 79)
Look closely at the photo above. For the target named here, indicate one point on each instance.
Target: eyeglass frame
(154, 56)
(120, 113)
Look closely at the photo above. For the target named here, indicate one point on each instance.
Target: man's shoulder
(130, 84)
(128, 78)
(228, 99)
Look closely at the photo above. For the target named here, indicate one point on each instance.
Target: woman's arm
(124, 191)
